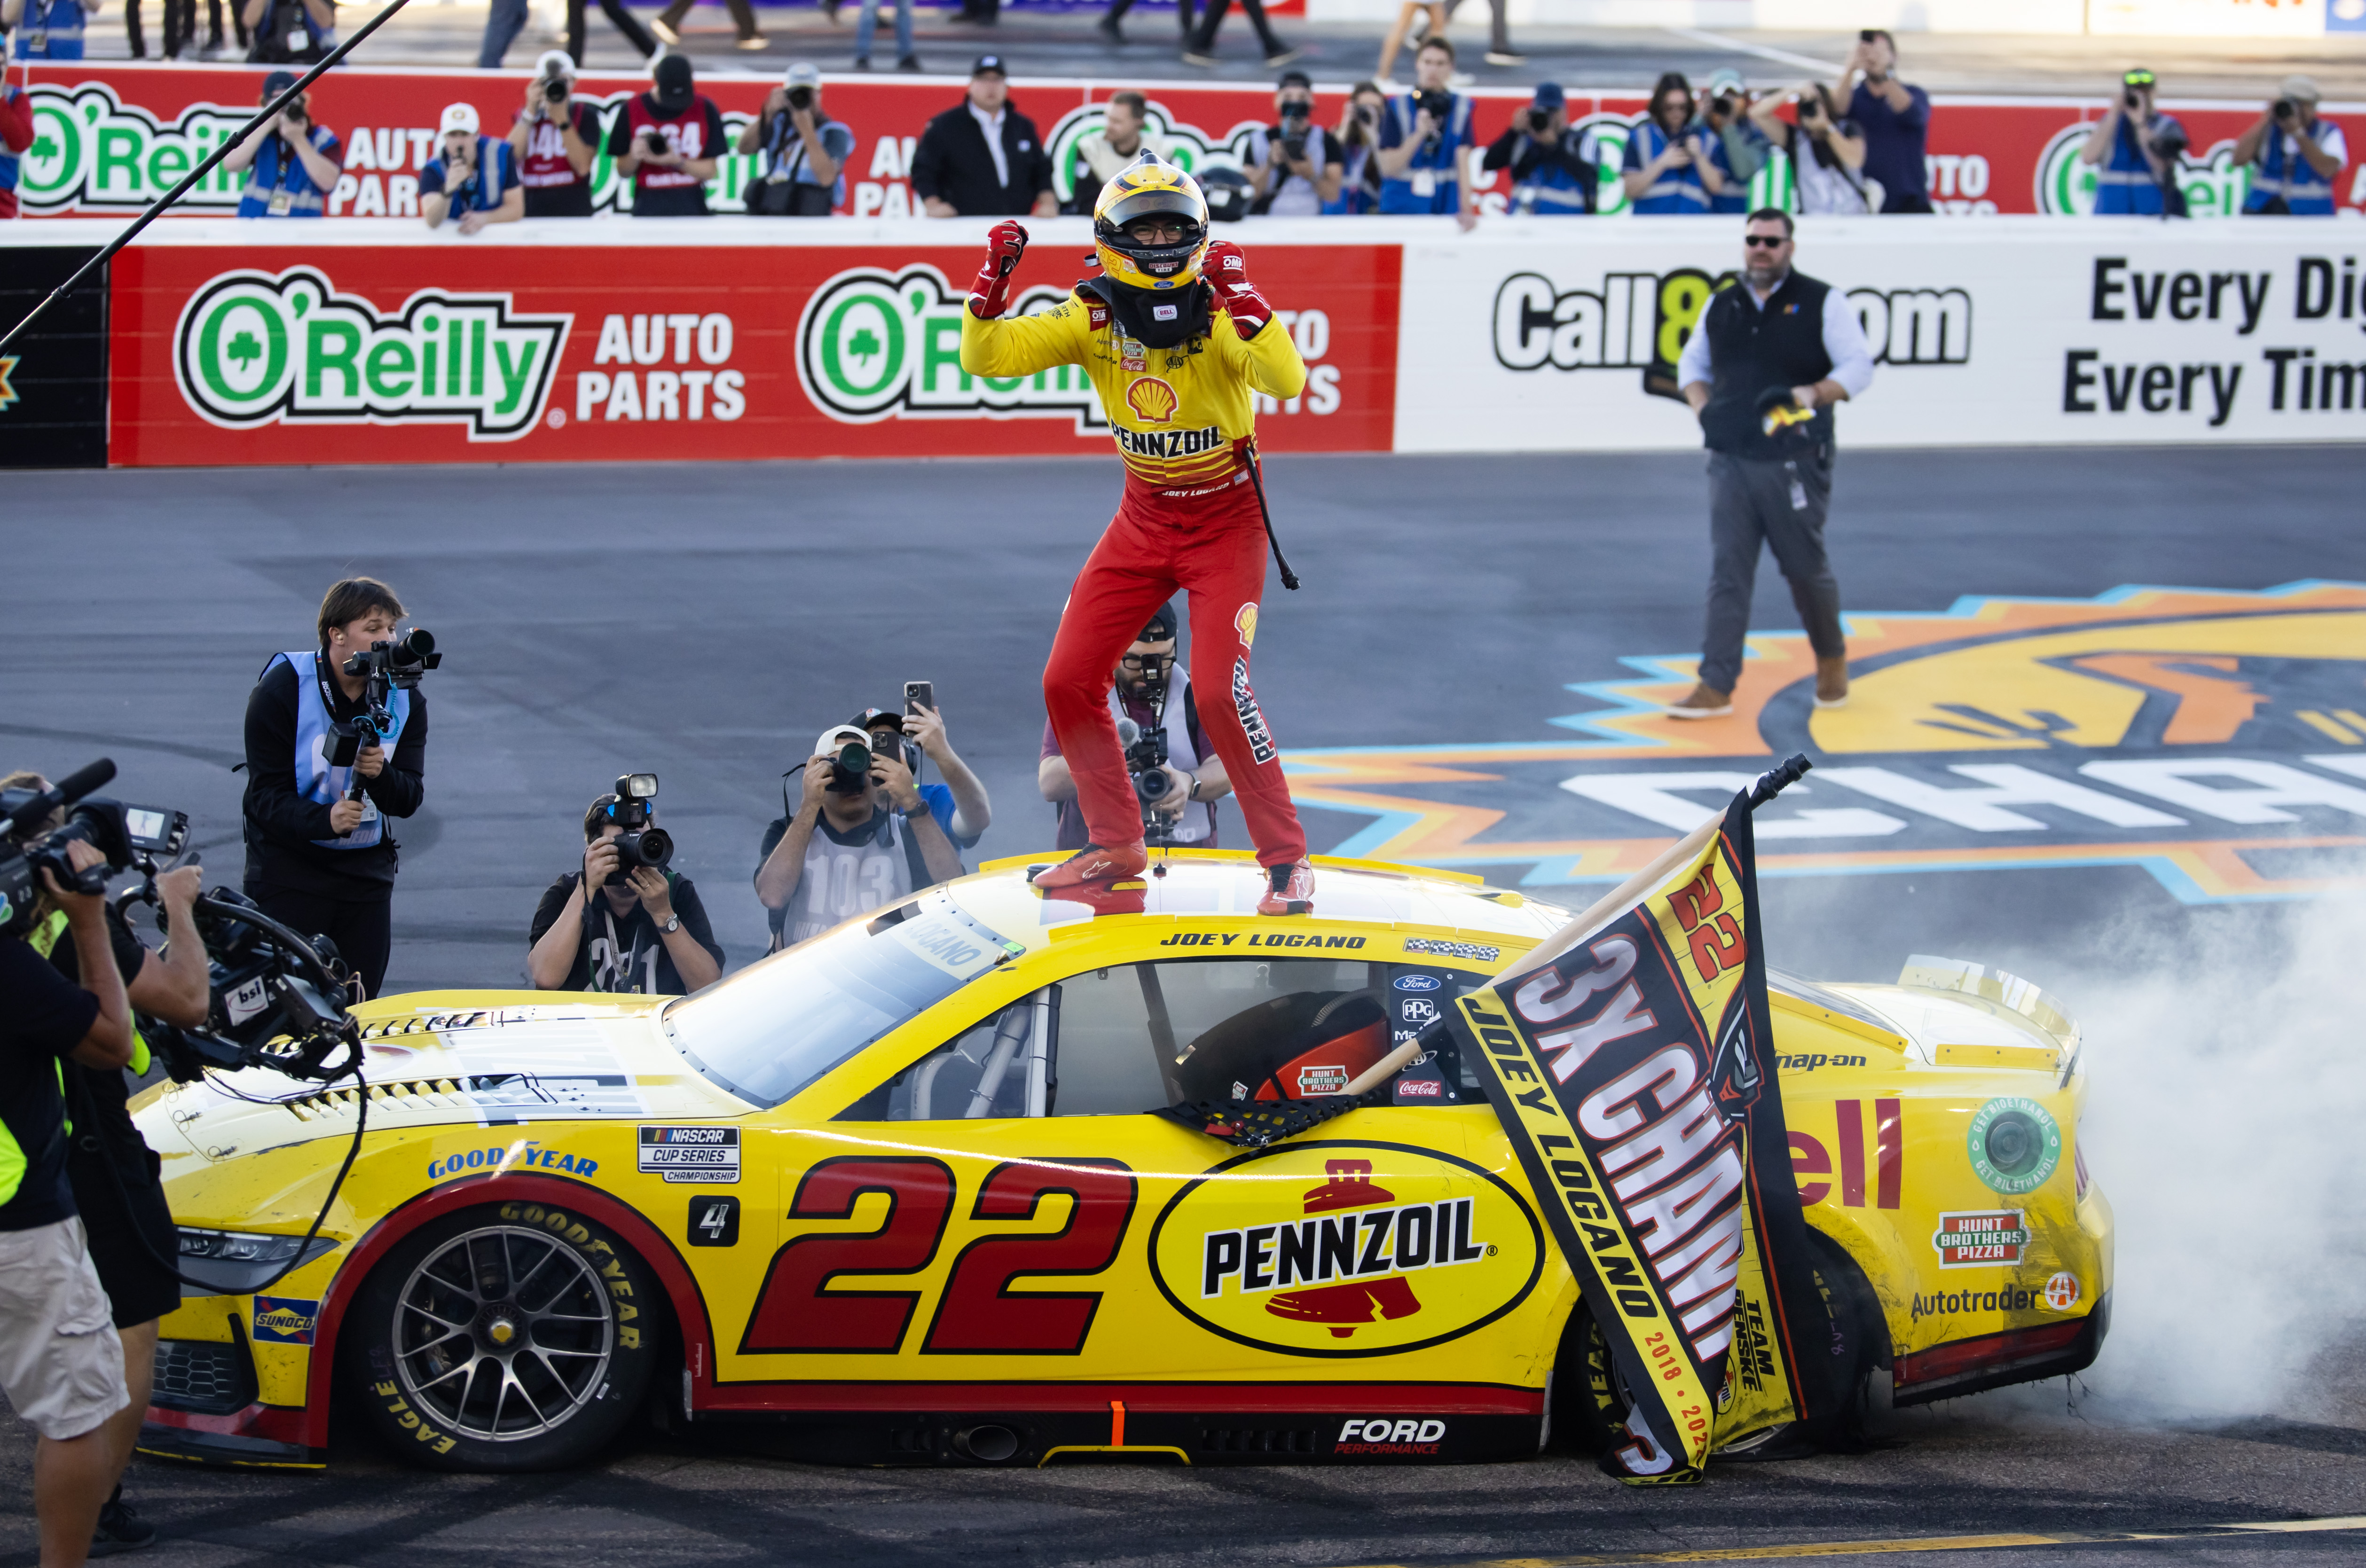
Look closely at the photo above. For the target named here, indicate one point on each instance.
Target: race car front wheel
(511, 1338)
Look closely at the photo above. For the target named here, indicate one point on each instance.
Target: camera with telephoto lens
(1146, 763)
(1294, 118)
(126, 835)
(1539, 121)
(388, 667)
(2133, 99)
(653, 142)
(1437, 103)
(850, 769)
(555, 89)
(639, 844)
(800, 98)
(2287, 109)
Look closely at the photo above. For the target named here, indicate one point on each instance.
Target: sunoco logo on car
(250, 348)
(1346, 1249)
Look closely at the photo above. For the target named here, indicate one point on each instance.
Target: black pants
(1118, 8)
(363, 928)
(743, 15)
(1779, 506)
(1204, 41)
(626, 24)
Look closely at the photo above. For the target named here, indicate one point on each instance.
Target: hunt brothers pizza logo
(252, 349)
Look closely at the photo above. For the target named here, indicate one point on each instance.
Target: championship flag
(1632, 1063)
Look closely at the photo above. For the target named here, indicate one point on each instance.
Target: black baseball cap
(671, 87)
(1295, 79)
(276, 84)
(875, 718)
(1161, 626)
(986, 63)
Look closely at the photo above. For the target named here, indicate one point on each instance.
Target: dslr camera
(639, 844)
(554, 89)
(1438, 102)
(1294, 118)
(1146, 763)
(2287, 110)
(389, 667)
(126, 835)
(800, 98)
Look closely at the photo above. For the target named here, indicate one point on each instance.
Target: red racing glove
(990, 295)
(1227, 272)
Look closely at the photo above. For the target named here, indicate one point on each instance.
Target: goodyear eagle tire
(514, 1337)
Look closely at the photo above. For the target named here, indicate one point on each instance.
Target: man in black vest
(1769, 357)
(984, 159)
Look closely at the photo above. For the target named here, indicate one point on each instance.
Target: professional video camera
(278, 997)
(124, 834)
(640, 844)
(390, 667)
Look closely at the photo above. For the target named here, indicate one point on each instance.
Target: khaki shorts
(60, 1360)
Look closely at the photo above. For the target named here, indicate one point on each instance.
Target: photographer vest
(1549, 188)
(278, 183)
(2282, 172)
(1753, 346)
(316, 735)
(1678, 189)
(51, 32)
(1432, 181)
(842, 880)
(2125, 185)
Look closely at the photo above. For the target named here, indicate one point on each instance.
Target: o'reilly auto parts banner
(312, 353)
(111, 137)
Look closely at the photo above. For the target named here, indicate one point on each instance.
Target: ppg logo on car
(1417, 982)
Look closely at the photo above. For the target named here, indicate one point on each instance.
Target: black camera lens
(2287, 108)
(649, 847)
(850, 769)
(1538, 119)
(800, 98)
(2133, 98)
(555, 89)
(1153, 785)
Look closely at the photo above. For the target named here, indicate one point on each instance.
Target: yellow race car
(913, 1192)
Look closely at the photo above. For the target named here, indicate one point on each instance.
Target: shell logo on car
(1350, 1249)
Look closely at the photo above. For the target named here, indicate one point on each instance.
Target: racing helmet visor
(1181, 206)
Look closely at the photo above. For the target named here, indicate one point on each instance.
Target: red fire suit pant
(1213, 546)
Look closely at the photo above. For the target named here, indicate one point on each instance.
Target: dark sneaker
(120, 1529)
(909, 62)
(1094, 864)
(1289, 890)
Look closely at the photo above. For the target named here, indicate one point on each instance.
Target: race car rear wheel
(511, 1338)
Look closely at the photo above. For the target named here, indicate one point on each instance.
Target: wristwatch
(673, 924)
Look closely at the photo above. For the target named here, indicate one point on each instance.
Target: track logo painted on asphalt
(2215, 739)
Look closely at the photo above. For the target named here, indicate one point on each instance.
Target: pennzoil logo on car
(691, 1153)
(283, 1320)
(1346, 1249)
(1981, 1238)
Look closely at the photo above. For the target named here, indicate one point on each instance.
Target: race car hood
(450, 1058)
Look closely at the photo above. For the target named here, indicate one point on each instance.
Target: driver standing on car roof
(1175, 338)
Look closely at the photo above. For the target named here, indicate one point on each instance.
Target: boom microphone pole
(1256, 478)
(189, 181)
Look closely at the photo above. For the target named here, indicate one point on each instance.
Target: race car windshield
(777, 1026)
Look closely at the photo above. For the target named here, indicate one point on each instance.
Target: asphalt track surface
(706, 623)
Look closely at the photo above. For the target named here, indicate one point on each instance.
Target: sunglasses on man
(1771, 241)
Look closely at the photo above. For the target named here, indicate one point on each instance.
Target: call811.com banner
(342, 354)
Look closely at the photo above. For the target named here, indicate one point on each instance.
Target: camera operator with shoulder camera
(1553, 174)
(290, 163)
(647, 930)
(2139, 148)
(863, 833)
(111, 1169)
(2295, 155)
(1174, 766)
(1295, 166)
(553, 140)
(472, 174)
(806, 152)
(1423, 136)
(62, 1361)
(324, 772)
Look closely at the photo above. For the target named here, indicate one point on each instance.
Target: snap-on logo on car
(1346, 1249)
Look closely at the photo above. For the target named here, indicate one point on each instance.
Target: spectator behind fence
(1201, 49)
(16, 136)
(667, 142)
(1725, 105)
(553, 140)
(863, 834)
(983, 158)
(1099, 154)
(1295, 167)
(1826, 154)
(1675, 162)
(1424, 138)
(1894, 119)
(645, 930)
(2295, 156)
(805, 151)
(290, 32)
(1359, 138)
(49, 29)
(471, 174)
(2138, 149)
(1553, 169)
(290, 163)
(1152, 688)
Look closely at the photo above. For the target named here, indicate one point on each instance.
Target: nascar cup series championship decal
(1634, 1075)
(2014, 1144)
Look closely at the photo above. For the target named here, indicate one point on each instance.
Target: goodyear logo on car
(283, 1320)
(256, 348)
(1346, 1249)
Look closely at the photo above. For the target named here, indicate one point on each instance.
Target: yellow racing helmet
(1150, 187)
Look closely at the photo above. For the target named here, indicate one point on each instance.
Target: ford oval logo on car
(1418, 982)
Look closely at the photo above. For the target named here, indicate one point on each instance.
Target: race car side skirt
(1993, 1361)
(275, 1436)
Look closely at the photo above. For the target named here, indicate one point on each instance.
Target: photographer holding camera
(805, 149)
(667, 142)
(1423, 136)
(863, 833)
(1553, 172)
(647, 931)
(291, 165)
(320, 781)
(553, 141)
(1360, 143)
(62, 1361)
(1675, 162)
(472, 174)
(1175, 769)
(2293, 155)
(1295, 168)
(1826, 153)
(2139, 148)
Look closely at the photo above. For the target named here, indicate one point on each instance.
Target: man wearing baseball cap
(983, 158)
(553, 141)
(472, 176)
(1725, 104)
(805, 151)
(1552, 174)
(667, 142)
(2295, 155)
(290, 163)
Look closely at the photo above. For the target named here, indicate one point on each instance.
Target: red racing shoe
(1095, 864)
(1291, 890)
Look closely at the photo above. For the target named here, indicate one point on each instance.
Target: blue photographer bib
(316, 736)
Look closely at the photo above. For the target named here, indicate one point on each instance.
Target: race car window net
(778, 1025)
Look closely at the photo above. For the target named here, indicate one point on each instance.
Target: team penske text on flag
(1635, 1074)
